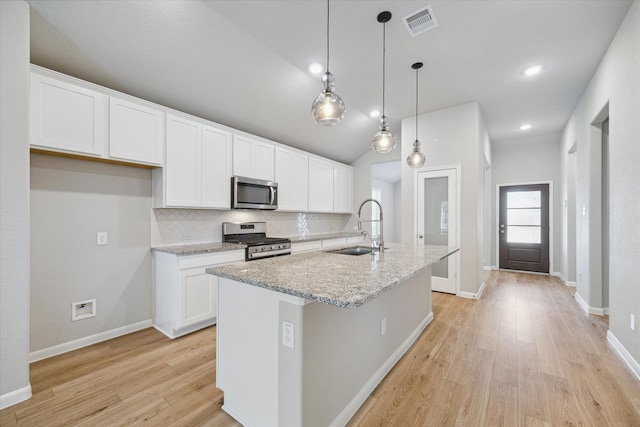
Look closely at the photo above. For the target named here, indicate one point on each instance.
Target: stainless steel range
(254, 235)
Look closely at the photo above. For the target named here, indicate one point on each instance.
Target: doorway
(523, 229)
(437, 222)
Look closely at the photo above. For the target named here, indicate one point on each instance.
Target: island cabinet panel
(253, 158)
(292, 176)
(136, 132)
(286, 361)
(342, 189)
(320, 185)
(67, 118)
(185, 296)
(197, 172)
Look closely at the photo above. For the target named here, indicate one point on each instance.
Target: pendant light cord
(417, 103)
(327, 36)
(384, 44)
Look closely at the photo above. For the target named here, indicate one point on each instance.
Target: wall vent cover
(419, 21)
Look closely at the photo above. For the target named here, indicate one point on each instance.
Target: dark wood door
(524, 227)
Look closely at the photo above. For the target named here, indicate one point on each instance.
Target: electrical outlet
(83, 309)
(383, 326)
(101, 238)
(632, 319)
(185, 236)
(288, 334)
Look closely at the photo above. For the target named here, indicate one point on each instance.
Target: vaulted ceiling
(245, 63)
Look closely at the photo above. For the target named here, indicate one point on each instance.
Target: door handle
(420, 236)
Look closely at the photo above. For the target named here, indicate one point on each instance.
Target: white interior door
(437, 222)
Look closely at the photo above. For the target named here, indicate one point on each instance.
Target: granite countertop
(340, 280)
(199, 248)
(203, 248)
(312, 237)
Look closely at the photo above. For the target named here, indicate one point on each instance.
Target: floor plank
(523, 355)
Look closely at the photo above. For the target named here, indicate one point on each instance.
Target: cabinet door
(136, 132)
(342, 189)
(66, 117)
(216, 168)
(242, 156)
(183, 185)
(264, 161)
(320, 185)
(292, 176)
(253, 159)
(198, 296)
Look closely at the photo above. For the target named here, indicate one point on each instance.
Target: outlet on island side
(383, 326)
(632, 321)
(288, 334)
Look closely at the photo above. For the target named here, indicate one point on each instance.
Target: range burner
(254, 235)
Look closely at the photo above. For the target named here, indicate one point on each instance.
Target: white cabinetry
(320, 185)
(67, 118)
(136, 132)
(292, 176)
(197, 170)
(253, 158)
(342, 189)
(185, 296)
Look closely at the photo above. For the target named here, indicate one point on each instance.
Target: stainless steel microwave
(250, 193)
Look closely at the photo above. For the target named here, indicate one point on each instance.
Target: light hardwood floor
(523, 355)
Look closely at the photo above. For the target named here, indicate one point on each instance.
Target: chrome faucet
(381, 239)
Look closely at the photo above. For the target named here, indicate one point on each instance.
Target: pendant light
(416, 158)
(384, 141)
(328, 108)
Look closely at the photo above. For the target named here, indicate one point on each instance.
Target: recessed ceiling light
(532, 71)
(375, 114)
(316, 68)
(525, 126)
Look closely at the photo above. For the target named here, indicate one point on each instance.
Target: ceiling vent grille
(419, 21)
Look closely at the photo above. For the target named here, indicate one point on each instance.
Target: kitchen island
(304, 339)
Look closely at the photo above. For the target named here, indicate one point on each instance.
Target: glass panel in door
(436, 220)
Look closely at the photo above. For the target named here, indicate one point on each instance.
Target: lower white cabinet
(185, 296)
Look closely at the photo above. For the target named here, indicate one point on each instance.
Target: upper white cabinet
(292, 176)
(320, 185)
(253, 158)
(136, 132)
(198, 166)
(68, 118)
(342, 189)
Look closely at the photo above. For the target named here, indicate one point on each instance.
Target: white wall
(615, 86)
(14, 209)
(362, 187)
(528, 160)
(72, 200)
(388, 200)
(454, 136)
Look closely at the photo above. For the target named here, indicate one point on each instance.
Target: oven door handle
(273, 196)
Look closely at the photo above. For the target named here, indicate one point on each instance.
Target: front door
(524, 227)
(437, 222)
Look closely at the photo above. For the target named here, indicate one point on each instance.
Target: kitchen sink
(355, 250)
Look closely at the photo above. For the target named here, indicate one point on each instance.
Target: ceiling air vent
(420, 21)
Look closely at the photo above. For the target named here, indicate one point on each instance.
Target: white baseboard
(617, 346)
(16, 396)
(563, 279)
(605, 310)
(471, 295)
(45, 353)
(490, 267)
(349, 411)
(587, 308)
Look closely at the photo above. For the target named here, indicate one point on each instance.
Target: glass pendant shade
(328, 108)
(416, 159)
(384, 141)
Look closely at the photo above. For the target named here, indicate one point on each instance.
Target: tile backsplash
(183, 226)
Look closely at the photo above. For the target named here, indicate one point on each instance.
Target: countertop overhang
(330, 278)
